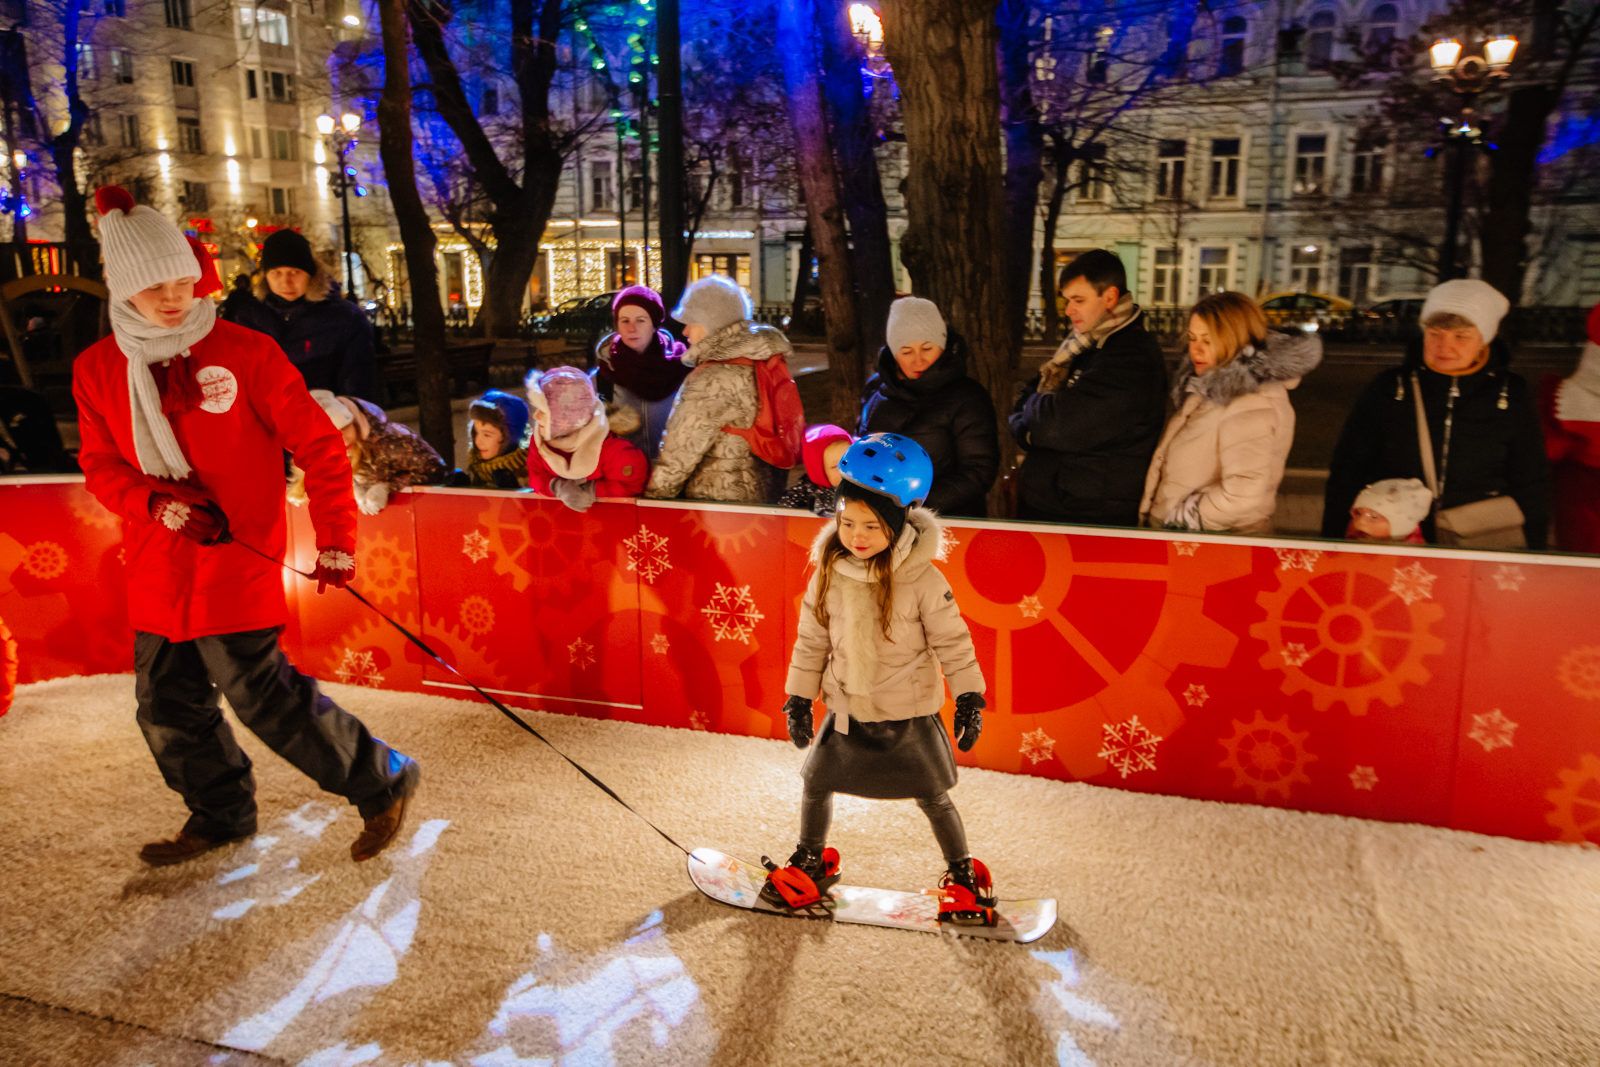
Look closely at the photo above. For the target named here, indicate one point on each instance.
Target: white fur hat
(338, 411)
(1405, 502)
(714, 302)
(1473, 299)
(913, 320)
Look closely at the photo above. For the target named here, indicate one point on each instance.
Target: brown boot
(378, 831)
(185, 846)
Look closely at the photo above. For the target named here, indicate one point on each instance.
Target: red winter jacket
(255, 408)
(622, 471)
(1574, 451)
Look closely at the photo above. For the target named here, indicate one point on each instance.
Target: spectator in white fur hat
(1390, 510)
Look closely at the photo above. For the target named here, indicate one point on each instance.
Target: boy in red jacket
(575, 454)
(184, 420)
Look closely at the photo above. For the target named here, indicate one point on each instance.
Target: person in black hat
(327, 339)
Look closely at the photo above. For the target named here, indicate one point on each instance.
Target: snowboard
(734, 882)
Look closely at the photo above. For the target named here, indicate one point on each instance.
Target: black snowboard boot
(804, 881)
(966, 894)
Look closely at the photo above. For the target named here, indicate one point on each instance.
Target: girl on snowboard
(877, 626)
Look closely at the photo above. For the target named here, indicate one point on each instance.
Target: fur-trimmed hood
(1282, 357)
(739, 340)
(920, 543)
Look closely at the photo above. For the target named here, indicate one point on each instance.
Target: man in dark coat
(1091, 419)
(922, 390)
(328, 339)
(1483, 420)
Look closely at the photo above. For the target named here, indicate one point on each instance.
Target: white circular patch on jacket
(219, 388)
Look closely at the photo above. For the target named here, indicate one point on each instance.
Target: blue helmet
(892, 464)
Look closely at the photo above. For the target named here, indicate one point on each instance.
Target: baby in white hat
(1390, 510)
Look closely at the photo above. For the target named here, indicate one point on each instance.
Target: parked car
(582, 320)
(1308, 311)
(1399, 309)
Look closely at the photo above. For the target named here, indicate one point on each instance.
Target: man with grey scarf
(1091, 419)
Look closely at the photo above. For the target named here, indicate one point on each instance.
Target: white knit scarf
(1578, 397)
(146, 344)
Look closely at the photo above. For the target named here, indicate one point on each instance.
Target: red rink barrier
(1451, 688)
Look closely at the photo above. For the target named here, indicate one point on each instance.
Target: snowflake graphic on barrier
(1492, 730)
(358, 668)
(45, 560)
(1037, 746)
(1196, 695)
(1128, 746)
(1363, 778)
(475, 546)
(1579, 672)
(1186, 548)
(1294, 654)
(1412, 583)
(647, 554)
(1266, 756)
(948, 543)
(1298, 559)
(1575, 804)
(1030, 607)
(1508, 578)
(732, 612)
(660, 645)
(580, 654)
(698, 720)
(477, 615)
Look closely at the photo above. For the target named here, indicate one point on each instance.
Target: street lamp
(1466, 74)
(340, 137)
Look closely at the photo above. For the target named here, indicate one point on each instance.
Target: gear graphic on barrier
(727, 533)
(364, 655)
(8, 667)
(1575, 804)
(388, 575)
(528, 544)
(1266, 756)
(90, 512)
(1579, 672)
(1344, 635)
(45, 560)
(477, 615)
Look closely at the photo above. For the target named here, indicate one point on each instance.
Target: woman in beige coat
(879, 635)
(1222, 454)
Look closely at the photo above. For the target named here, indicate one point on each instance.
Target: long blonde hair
(1234, 320)
(880, 567)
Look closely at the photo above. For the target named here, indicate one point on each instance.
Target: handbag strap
(1425, 441)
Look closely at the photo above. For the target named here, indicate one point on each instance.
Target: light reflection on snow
(237, 873)
(1079, 1009)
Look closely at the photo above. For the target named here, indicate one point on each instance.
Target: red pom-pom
(210, 282)
(109, 198)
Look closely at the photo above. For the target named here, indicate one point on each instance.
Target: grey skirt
(906, 758)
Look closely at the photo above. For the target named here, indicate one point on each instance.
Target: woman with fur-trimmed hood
(699, 459)
(328, 340)
(1222, 454)
(577, 454)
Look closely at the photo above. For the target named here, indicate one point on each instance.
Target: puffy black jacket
(1496, 444)
(947, 413)
(1089, 443)
(329, 341)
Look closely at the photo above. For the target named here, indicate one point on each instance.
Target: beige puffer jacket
(861, 674)
(698, 459)
(1222, 454)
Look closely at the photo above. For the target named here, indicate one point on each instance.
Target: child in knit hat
(184, 421)
(385, 456)
(1390, 510)
(825, 446)
(497, 428)
(576, 456)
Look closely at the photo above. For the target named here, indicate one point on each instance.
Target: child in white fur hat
(1390, 510)
(184, 422)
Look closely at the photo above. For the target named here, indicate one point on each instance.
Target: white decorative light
(233, 175)
(1444, 53)
(322, 183)
(352, 21)
(325, 124)
(318, 153)
(1499, 51)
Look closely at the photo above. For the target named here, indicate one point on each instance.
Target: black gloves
(504, 479)
(969, 719)
(800, 728)
(458, 479)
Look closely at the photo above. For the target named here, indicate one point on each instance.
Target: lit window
(1310, 164)
(1224, 169)
(1169, 169)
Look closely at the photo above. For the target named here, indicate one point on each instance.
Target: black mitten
(800, 727)
(969, 720)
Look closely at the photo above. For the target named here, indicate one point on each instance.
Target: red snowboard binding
(804, 881)
(966, 894)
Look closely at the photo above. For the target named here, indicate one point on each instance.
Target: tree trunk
(944, 57)
(1513, 175)
(1047, 250)
(395, 147)
(1024, 159)
(860, 184)
(824, 212)
(83, 252)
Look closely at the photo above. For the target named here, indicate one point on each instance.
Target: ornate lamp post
(1466, 75)
(340, 138)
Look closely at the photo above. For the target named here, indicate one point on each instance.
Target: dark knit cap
(892, 514)
(641, 296)
(285, 248)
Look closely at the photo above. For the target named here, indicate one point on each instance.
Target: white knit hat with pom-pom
(140, 246)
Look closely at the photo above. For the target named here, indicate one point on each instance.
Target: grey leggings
(816, 812)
